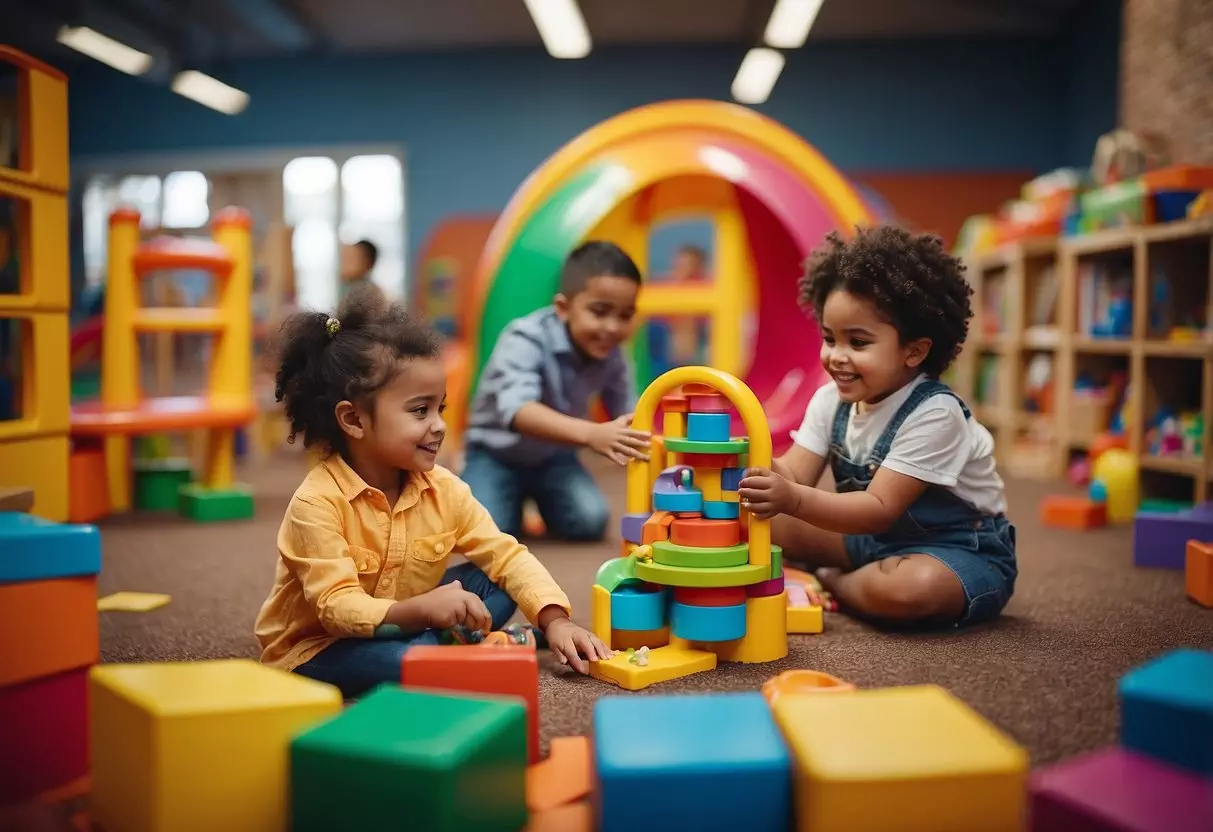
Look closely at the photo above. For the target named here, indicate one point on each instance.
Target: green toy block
(411, 759)
(776, 561)
(733, 447)
(616, 571)
(157, 482)
(660, 573)
(1164, 506)
(704, 557)
(205, 505)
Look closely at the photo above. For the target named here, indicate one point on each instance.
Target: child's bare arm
(615, 439)
(800, 465)
(766, 494)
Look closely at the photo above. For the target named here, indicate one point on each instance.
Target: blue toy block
(730, 479)
(630, 527)
(719, 510)
(35, 549)
(707, 623)
(687, 500)
(707, 763)
(708, 427)
(1166, 709)
(635, 608)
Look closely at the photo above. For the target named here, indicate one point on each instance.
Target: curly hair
(324, 360)
(911, 279)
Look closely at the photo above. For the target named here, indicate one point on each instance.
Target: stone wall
(1166, 82)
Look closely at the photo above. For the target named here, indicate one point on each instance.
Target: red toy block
(476, 668)
(44, 723)
(1077, 513)
(1198, 572)
(708, 460)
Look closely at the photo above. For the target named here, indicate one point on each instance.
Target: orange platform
(63, 612)
(160, 414)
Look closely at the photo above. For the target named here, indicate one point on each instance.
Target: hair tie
(333, 326)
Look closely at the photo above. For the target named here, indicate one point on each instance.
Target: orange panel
(674, 404)
(1077, 513)
(88, 486)
(162, 414)
(1198, 572)
(657, 527)
(173, 253)
(47, 627)
(705, 534)
(477, 668)
(562, 778)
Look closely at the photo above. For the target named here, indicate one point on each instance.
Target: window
(372, 201)
(185, 196)
(309, 203)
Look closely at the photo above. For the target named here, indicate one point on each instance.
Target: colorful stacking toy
(698, 580)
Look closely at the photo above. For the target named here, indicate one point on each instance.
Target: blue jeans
(572, 505)
(356, 665)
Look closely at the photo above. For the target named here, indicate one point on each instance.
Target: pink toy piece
(1114, 790)
(631, 527)
(1079, 472)
(797, 597)
(761, 590)
(710, 403)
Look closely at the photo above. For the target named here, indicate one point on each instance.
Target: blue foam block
(689, 500)
(707, 763)
(708, 427)
(634, 608)
(719, 510)
(630, 527)
(1166, 709)
(707, 623)
(730, 479)
(34, 549)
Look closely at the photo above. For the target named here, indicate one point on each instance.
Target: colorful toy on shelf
(699, 580)
(1160, 538)
(123, 412)
(1116, 473)
(44, 673)
(34, 441)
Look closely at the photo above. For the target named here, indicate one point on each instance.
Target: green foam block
(205, 505)
(736, 445)
(704, 557)
(158, 481)
(408, 759)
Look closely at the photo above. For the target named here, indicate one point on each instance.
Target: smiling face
(602, 315)
(402, 427)
(864, 353)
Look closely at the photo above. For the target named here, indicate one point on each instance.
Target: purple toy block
(630, 526)
(774, 586)
(1160, 539)
(1114, 790)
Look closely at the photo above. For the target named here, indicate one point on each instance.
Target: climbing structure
(698, 579)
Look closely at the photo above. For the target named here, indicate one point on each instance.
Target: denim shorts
(981, 554)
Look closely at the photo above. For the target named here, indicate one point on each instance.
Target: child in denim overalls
(915, 530)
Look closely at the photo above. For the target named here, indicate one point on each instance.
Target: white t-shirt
(935, 444)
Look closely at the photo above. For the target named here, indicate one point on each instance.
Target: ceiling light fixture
(561, 27)
(757, 75)
(790, 23)
(210, 92)
(104, 49)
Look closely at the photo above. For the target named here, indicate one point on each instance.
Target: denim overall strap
(924, 391)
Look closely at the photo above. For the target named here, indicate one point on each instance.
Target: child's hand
(451, 604)
(569, 642)
(618, 442)
(765, 493)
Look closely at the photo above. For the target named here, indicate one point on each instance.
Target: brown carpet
(1045, 672)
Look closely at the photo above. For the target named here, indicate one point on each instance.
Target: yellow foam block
(600, 613)
(132, 602)
(674, 424)
(664, 664)
(802, 620)
(707, 480)
(766, 633)
(902, 758)
(197, 745)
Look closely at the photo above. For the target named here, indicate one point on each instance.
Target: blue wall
(475, 124)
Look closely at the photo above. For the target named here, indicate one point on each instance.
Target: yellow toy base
(803, 620)
(664, 665)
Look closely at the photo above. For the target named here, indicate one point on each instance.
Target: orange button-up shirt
(345, 557)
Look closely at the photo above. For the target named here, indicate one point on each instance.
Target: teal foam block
(707, 623)
(636, 608)
(35, 549)
(720, 510)
(1166, 710)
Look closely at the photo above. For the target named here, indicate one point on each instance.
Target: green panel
(614, 572)
(205, 505)
(530, 270)
(776, 561)
(158, 481)
(407, 759)
(736, 445)
(660, 573)
(702, 557)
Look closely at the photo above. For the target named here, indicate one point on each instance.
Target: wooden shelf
(1159, 371)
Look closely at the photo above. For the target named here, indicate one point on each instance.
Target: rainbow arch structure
(773, 198)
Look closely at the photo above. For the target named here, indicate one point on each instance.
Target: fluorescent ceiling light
(790, 23)
(105, 49)
(561, 27)
(210, 92)
(757, 75)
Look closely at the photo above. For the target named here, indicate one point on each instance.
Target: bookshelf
(1126, 323)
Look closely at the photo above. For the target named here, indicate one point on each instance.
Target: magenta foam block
(761, 590)
(1114, 790)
